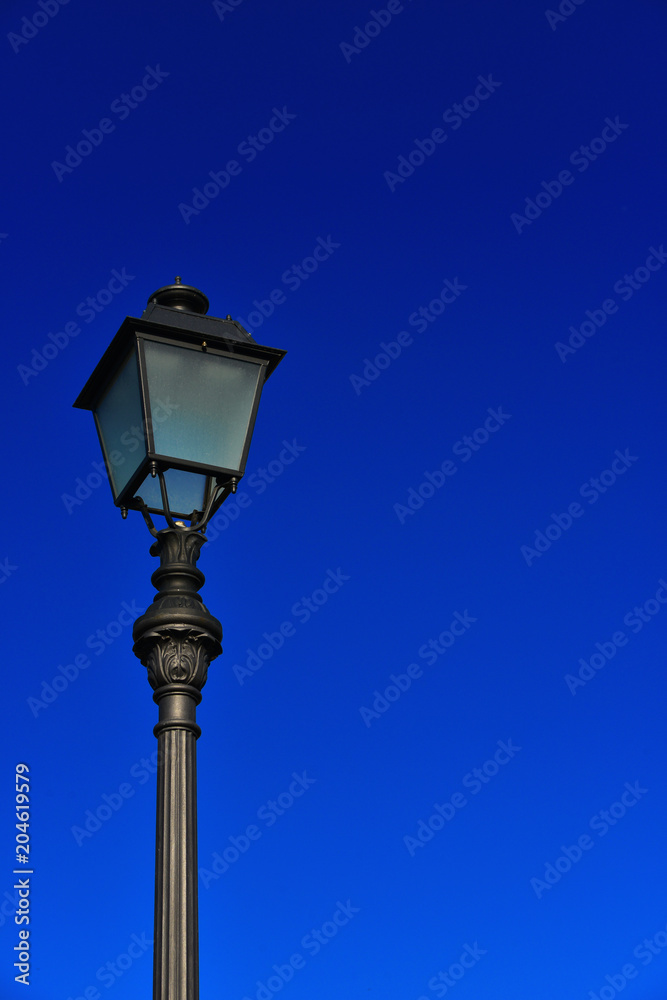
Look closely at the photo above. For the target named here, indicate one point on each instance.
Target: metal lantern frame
(174, 326)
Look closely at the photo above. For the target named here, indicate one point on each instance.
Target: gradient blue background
(67, 573)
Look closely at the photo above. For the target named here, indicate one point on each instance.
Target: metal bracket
(198, 519)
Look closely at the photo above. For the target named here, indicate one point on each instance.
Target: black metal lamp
(175, 397)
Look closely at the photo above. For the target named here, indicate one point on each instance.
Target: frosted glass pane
(185, 491)
(201, 404)
(121, 424)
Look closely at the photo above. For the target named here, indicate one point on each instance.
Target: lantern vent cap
(184, 298)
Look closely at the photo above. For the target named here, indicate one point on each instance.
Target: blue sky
(448, 777)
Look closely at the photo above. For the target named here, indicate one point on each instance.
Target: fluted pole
(176, 639)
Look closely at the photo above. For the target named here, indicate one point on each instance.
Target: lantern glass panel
(201, 404)
(120, 424)
(186, 491)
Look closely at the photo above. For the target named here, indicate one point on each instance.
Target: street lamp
(174, 398)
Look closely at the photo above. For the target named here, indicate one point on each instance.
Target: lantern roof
(179, 312)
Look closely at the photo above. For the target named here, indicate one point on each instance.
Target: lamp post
(175, 397)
